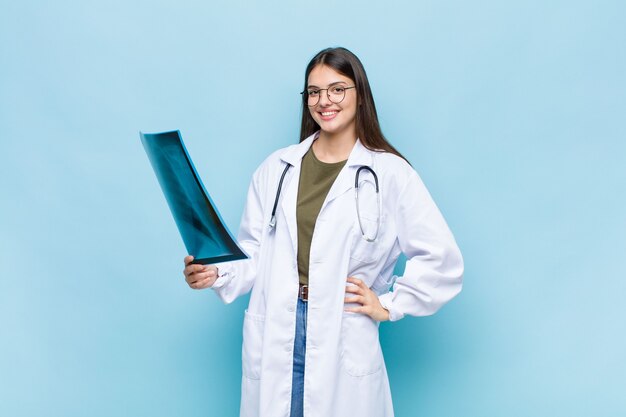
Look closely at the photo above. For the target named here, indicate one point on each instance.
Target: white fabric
(345, 372)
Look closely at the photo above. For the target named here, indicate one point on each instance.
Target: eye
(313, 92)
(337, 90)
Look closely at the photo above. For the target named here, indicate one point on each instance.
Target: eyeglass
(335, 94)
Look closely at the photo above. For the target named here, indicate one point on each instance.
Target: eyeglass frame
(305, 94)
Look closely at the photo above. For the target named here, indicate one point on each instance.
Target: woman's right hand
(199, 276)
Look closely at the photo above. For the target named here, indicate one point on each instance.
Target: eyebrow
(329, 85)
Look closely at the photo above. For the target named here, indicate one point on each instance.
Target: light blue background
(512, 112)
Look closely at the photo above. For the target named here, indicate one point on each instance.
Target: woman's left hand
(368, 299)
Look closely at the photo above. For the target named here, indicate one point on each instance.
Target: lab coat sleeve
(386, 278)
(434, 267)
(237, 278)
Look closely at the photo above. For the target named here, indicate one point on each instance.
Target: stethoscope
(356, 196)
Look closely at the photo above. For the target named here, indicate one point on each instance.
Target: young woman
(324, 224)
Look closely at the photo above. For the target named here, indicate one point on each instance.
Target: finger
(354, 289)
(205, 268)
(188, 259)
(354, 310)
(361, 284)
(205, 280)
(359, 299)
(352, 282)
(197, 277)
(204, 275)
(198, 285)
(356, 281)
(192, 269)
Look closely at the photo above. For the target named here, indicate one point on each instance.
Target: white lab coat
(345, 373)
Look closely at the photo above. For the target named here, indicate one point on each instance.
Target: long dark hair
(367, 127)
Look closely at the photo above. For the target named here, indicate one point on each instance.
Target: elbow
(453, 266)
(455, 271)
(449, 282)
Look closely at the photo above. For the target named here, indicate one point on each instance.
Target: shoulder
(275, 158)
(391, 162)
(271, 163)
(402, 184)
(394, 168)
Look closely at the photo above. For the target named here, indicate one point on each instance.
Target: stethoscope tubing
(280, 186)
(272, 223)
(356, 197)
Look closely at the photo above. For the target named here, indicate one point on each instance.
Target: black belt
(303, 292)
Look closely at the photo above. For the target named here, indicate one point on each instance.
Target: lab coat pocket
(253, 326)
(361, 354)
(361, 249)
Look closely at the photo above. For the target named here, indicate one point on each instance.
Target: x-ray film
(204, 233)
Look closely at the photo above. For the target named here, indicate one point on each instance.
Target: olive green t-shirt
(316, 178)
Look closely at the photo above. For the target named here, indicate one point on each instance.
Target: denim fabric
(299, 350)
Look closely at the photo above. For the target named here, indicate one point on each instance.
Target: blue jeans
(299, 350)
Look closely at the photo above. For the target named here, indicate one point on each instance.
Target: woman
(321, 261)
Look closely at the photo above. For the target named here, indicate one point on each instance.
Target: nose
(324, 100)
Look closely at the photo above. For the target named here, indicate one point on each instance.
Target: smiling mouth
(328, 115)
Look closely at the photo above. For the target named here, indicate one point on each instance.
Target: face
(333, 118)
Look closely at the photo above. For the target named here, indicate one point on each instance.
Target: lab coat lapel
(293, 156)
(359, 156)
(289, 206)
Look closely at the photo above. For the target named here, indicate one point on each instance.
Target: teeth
(328, 113)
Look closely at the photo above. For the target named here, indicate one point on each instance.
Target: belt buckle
(303, 292)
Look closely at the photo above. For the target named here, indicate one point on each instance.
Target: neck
(334, 147)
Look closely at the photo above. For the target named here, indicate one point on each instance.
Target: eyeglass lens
(335, 95)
